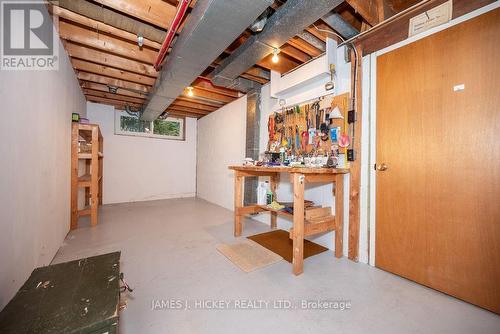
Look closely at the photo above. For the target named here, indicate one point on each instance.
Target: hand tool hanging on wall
(297, 140)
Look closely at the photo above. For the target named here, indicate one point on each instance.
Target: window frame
(120, 132)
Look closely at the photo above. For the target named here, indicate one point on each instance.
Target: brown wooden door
(438, 202)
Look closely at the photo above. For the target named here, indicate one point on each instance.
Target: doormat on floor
(279, 242)
(248, 255)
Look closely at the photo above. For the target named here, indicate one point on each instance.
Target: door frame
(370, 104)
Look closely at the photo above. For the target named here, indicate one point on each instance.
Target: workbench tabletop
(284, 169)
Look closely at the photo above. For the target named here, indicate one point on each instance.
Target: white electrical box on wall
(314, 71)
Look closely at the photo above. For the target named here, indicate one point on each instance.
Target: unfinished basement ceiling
(100, 37)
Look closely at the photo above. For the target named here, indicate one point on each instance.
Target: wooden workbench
(301, 227)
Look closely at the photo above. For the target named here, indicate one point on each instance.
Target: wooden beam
(182, 114)
(82, 65)
(208, 103)
(104, 88)
(259, 72)
(295, 53)
(304, 46)
(206, 84)
(384, 11)
(193, 105)
(99, 26)
(156, 12)
(312, 40)
(106, 43)
(112, 82)
(368, 9)
(110, 101)
(105, 58)
(120, 97)
(355, 166)
(284, 65)
(254, 78)
(318, 34)
(189, 110)
(396, 30)
(210, 95)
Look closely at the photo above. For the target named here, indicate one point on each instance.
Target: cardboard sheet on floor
(279, 242)
(248, 255)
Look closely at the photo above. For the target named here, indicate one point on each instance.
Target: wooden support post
(74, 176)
(339, 214)
(94, 172)
(238, 202)
(87, 189)
(298, 223)
(101, 169)
(274, 180)
(354, 209)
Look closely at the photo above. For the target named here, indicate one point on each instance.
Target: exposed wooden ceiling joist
(210, 103)
(82, 65)
(113, 18)
(119, 97)
(100, 27)
(368, 9)
(284, 65)
(190, 110)
(201, 93)
(104, 88)
(104, 58)
(106, 43)
(193, 105)
(112, 82)
(304, 46)
(156, 12)
(113, 102)
(295, 53)
(175, 113)
(206, 85)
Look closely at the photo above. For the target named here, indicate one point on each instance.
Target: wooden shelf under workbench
(302, 227)
(91, 180)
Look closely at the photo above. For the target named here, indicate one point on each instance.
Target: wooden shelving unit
(91, 180)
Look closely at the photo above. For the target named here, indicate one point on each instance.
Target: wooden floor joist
(106, 43)
(86, 66)
(104, 58)
(119, 97)
(111, 81)
(104, 88)
(99, 26)
(155, 12)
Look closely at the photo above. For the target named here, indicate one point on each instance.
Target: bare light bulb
(275, 57)
(190, 91)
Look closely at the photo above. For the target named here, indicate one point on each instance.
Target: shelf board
(86, 156)
(85, 180)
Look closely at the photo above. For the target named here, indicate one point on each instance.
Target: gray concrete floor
(168, 253)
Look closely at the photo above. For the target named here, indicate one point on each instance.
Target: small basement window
(168, 128)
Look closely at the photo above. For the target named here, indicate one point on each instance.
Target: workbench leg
(238, 202)
(298, 223)
(274, 215)
(339, 214)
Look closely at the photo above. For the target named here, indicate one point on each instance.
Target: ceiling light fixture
(275, 57)
(190, 92)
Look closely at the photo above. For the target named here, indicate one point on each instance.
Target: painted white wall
(35, 146)
(221, 142)
(142, 168)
